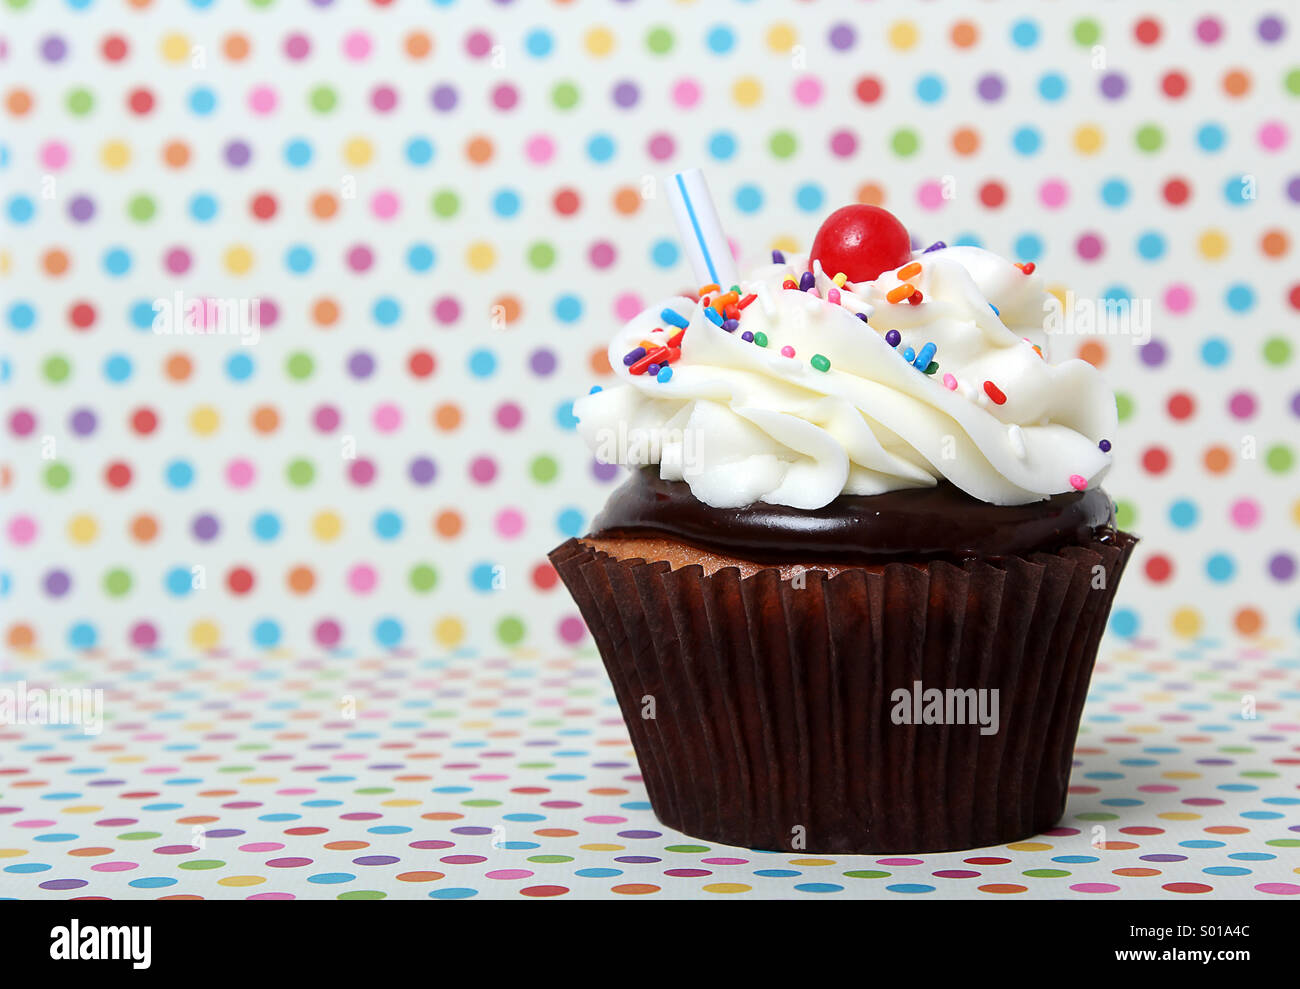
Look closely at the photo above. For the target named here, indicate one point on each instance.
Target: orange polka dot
(301, 580)
(871, 194)
(599, 361)
(176, 154)
(21, 636)
(55, 261)
(178, 367)
(965, 141)
(236, 47)
(479, 150)
(418, 44)
(144, 528)
(448, 524)
(1236, 83)
(265, 419)
(447, 416)
(1218, 459)
(1274, 243)
(507, 307)
(627, 200)
(325, 312)
(965, 34)
(140, 4)
(19, 101)
(1248, 621)
(323, 205)
(1093, 352)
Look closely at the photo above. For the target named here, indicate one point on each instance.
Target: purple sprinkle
(747, 337)
(634, 355)
(938, 245)
(652, 370)
(778, 257)
(806, 281)
(730, 325)
(861, 315)
(893, 337)
(1104, 446)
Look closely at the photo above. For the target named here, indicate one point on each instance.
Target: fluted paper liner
(760, 711)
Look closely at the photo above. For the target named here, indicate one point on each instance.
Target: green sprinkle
(760, 339)
(934, 366)
(820, 362)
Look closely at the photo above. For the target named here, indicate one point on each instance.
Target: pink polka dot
(22, 529)
(540, 149)
(54, 154)
(240, 473)
(602, 254)
(114, 866)
(387, 417)
(930, 195)
(686, 93)
(478, 43)
(177, 260)
(385, 205)
(808, 90)
(1053, 193)
(1179, 298)
(1209, 30)
(144, 635)
(1279, 889)
(483, 469)
(572, 629)
(362, 471)
(843, 143)
(627, 305)
(446, 310)
(1089, 247)
(360, 258)
(1273, 136)
(362, 578)
(509, 523)
(356, 45)
(508, 874)
(1095, 888)
(509, 415)
(1242, 405)
(262, 99)
(328, 632)
(505, 97)
(1245, 513)
(661, 147)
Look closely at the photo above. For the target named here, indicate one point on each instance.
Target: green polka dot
(323, 99)
(1097, 815)
(541, 255)
(686, 849)
(80, 102)
(139, 836)
(57, 369)
(1087, 31)
(299, 366)
(300, 473)
(423, 577)
(550, 859)
(1125, 514)
(57, 476)
(1124, 407)
(1259, 774)
(117, 582)
(904, 142)
(565, 95)
(510, 630)
(200, 865)
(370, 791)
(1045, 873)
(783, 144)
(1279, 458)
(363, 894)
(1277, 350)
(1293, 82)
(17, 4)
(544, 469)
(481, 802)
(1284, 842)
(446, 203)
(1149, 138)
(659, 40)
(867, 874)
(141, 208)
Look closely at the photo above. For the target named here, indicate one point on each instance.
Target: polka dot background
(438, 211)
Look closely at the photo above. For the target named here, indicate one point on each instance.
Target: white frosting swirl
(741, 423)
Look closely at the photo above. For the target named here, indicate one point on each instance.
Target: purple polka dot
(83, 422)
(1293, 189)
(361, 365)
(990, 88)
(443, 97)
(1295, 404)
(64, 884)
(842, 37)
(423, 470)
(54, 49)
(626, 94)
(81, 209)
(1153, 354)
(603, 472)
(1113, 85)
(1270, 28)
(1282, 566)
(206, 528)
(57, 583)
(238, 154)
(542, 362)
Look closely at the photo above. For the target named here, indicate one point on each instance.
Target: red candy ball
(861, 241)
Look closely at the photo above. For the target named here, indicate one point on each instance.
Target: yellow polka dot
(812, 861)
(241, 880)
(1088, 139)
(1295, 513)
(204, 635)
(449, 631)
(481, 256)
(726, 888)
(82, 529)
(599, 41)
(1029, 846)
(238, 260)
(204, 420)
(781, 37)
(598, 847)
(747, 91)
(903, 35)
(1213, 244)
(260, 779)
(326, 526)
(1179, 815)
(1179, 774)
(115, 155)
(401, 803)
(786, 245)
(5, 262)
(358, 151)
(175, 47)
(84, 809)
(1187, 622)
(12, 853)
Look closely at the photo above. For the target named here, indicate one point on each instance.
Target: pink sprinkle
(787, 351)
(1078, 482)
(950, 382)
(833, 297)
(814, 293)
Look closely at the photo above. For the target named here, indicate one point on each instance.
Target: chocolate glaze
(942, 522)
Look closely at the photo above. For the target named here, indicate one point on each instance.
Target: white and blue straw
(701, 232)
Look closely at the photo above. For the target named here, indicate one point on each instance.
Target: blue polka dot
(386, 311)
(749, 198)
(1051, 86)
(1114, 192)
(1024, 34)
(1151, 245)
(266, 633)
(1029, 247)
(298, 153)
(22, 316)
(539, 43)
(483, 577)
(179, 581)
(568, 308)
(720, 39)
(1220, 568)
(809, 197)
(910, 888)
(388, 632)
(505, 203)
(968, 239)
(117, 261)
(419, 151)
(600, 147)
(482, 363)
(570, 522)
(1215, 351)
(1240, 297)
(1239, 190)
(1183, 514)
(82, 636)
(664, 253)
(203, 207)
(266, 526)
(597, 873)
(1026, 141)
(331, 878)
(452, 893)
(419, 257)
(1124, 622)
(239, 367)
(299, 259)
(929, 89)
(564, 417)
(722, 145)
(153, 882)
(202, 100)
(388, 525)
(21, 209)
(1211, 137)
(179, 474)
(117, 368)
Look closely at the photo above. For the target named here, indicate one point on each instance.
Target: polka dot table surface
(487, 776)
(297, 294)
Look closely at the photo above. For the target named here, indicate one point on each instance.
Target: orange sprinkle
(711, 287)
(909, 270)
(900, 292)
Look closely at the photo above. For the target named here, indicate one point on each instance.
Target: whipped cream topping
(800, 400)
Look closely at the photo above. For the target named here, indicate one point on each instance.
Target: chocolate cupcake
(851, 595)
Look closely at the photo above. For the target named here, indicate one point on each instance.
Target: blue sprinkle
(778, 257)
(713, 315)
(673, 317)
(730, 325)
(594, 389)
(909, 354)
(806, 281)
(633, 355)
(665, 374)
(938, 245)
(995, 310)
(925, 356)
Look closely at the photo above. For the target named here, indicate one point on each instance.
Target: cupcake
(850, 596)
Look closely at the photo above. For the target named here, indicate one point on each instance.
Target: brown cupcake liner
(760, 711)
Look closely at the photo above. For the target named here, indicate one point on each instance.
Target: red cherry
(861, 241)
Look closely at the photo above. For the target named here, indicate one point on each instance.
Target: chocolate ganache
(940, 522)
